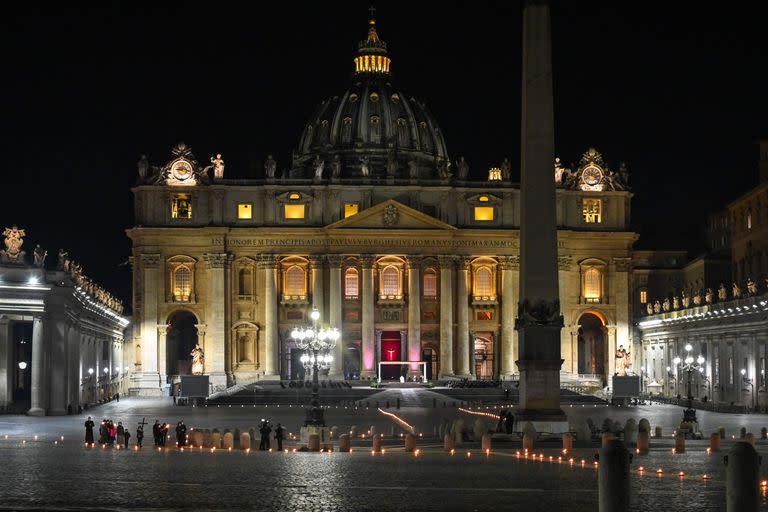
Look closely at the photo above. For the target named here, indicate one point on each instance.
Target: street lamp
(688, 365)
(22, 365)
(316, 343)
(751, 383)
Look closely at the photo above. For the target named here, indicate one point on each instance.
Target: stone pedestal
(323, 433)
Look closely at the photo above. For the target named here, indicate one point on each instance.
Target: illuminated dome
(373, 129)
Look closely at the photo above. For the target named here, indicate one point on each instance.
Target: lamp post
(316, 343)
(689, 365)
(747, 380)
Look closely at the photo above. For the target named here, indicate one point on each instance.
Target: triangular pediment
(390, 215)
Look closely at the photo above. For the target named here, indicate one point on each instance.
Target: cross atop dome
(372, 53)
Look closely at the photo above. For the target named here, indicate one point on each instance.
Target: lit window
(643, 296)
(244, 211)
(494, 174)
(351, 288)
(181, 206)
(294, 211)
(246, 281)
(592, 209)
(294, 196)
(390, 282)
(351, 209)
(182, 284)
(483, 199)
(592, 285)
(483, 213)
(485, 315)
(430, 283)
(294, 281)
(483, 282)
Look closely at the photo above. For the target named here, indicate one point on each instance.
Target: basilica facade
(375, 225)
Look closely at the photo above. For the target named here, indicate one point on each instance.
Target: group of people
(506, 422)
(109, 433)
(265, 429)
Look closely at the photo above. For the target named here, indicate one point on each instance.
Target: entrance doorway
(351, 361)
(180, 339)
(297, 367)
(390, 351)
(21, 334)
(592, 345)
(484, 355)
(429, 356)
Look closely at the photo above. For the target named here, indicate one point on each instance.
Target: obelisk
(538, 318)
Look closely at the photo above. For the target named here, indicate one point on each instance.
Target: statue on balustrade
(686, 300)
(270, 167)
(736, 291)
(666, 306)
(656, 307)
(697, 298)
(751, 287)
(318, 165)
(708, 296)
(649, 307)
(40, 254)
(675, 302)
(336, 167)
(463, 167)
(14, 239)
(722, 294)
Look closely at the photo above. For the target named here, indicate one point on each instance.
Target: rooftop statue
(143, 167)
(319, 166)
(14, 239)
(463, 167)
(709, 295)
(722, 294)
(736, 291)
(506, 170)
(751, 287)
(218, 167)
(40, 254)
(697, 298)
(649, 307)
(365, 170)
(270, 167)
(336, 167)
(391, 164)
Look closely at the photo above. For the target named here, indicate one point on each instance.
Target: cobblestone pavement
(38, 474)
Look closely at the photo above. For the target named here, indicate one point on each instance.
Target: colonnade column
(334, 316)
(58, 331)
(37, 406)
(414, 315)
(162, 351)
(509, 266)
(7, 363)
(216, 263)
(272, 349)
(149, 380)
(367, 261)
(318, 297)
(446, 316)
(73, 367)
(462, 319)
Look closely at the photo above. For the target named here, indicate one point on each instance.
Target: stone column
(215, 351)
(318, 297)
(271, 342)
(368, 370)
(539, 319)
(509, 266)
(463, 347)
(162, 351)
(446, 316)
(57, 372)
(38, 371)
(7, 369)
(334, 315)
(414, 315)
(73, 366)
(149, 380)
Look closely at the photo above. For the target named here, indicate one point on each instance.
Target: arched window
(245, 281)
(430, 283)
(483, 282)
(182, 284)
(593, 285)
(390, 281)
(351, 287)
(346, 130)
(375, 129)
(295, 283)
(402, 133)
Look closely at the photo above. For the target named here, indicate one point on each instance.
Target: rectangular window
(483, 213)
(643, 296)
(485, 315)
(351, 209)
(293, 314)
(592, 209)
(244, 211)
(294, 211)
(181, 206)
(430, 284)
(351, 289)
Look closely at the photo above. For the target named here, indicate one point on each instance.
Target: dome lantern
(372, 53)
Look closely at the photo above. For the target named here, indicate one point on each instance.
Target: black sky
(678, 91)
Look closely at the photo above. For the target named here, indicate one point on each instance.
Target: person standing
(279, 436)
(127, 437)
(139, 436)
(181, 434)
(120, 433)
(156, 432)
(89, 430)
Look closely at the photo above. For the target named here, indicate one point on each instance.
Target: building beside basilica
(375, 225)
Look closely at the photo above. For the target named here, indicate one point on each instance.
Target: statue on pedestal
(665, 304)
(391, 164)
(365, 169)
(697, 298)
(14, 239)
(270, 167)
(413, 169)
(722, 294)
(736, 291)
(143, 167)
(675, 302)
(198, 360)
(40, 254)
(463, 167)
(318, 165)
(656, 307)
(506, 170)
(61, 263)
(751, 287)
(649, 308)
(218, 167)
(336, 167)
(708, 296)
(686, 300)
(622, 361)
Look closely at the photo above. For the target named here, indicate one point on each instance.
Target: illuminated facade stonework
(375, 225)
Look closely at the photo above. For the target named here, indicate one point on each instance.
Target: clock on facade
(592, 178)
(181, 173)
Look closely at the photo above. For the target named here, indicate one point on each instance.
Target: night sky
(677, 91)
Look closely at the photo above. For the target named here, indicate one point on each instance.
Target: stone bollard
(680, 443)
(742, 475)
(216, 440)
(764, 433)
(344, 445)
(630, 433)
(197, 438)
(480, 429)
(207, 439)
(353, 431)
(448, 443)
(714, 442)
(613, 477)
(644, 424)
(643, 442)
(252, 434)
(606, 437)
(657, 432)
(410, 442)
(485, 443)
(742, 432)
(334, 432)
(567, 441)
(229, 441)
(377, 443)
(750, 438)
(721, 431)
(245, 441)
(314, 442)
